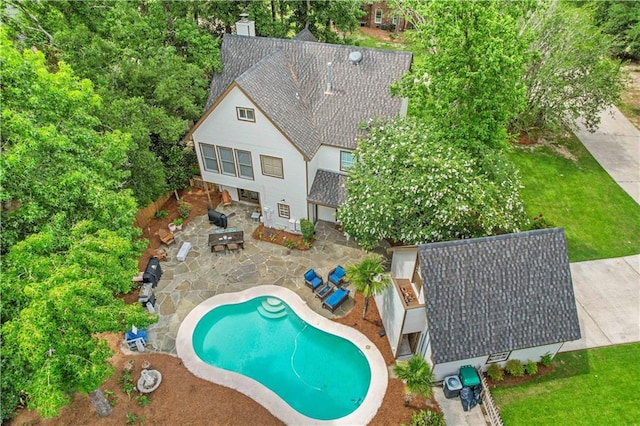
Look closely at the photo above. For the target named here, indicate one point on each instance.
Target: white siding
(440, 371)
(392, 313)
(415, 320)
(403, 263)
(222, 128)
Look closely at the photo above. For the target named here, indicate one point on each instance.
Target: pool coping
(263, 395)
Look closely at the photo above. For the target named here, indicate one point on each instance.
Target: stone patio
(204, 274)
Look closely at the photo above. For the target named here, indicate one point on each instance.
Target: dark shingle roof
(359, 92)
(497, 294)
(328, 189)
(305, 35)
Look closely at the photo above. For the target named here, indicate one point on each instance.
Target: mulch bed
(281, 237)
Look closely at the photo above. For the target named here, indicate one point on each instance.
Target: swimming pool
(266, 343)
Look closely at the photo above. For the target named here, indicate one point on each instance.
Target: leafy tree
(410, 188)
(621, 20)
(470, 82)
(417, 377)
(68, 238)
(570, 74)
(153, 86)
(54, 159)
(368, 278)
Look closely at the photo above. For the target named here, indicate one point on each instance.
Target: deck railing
(489, 405)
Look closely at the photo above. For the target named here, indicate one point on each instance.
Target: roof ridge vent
(355, 57)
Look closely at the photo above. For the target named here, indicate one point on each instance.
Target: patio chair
(336, 299)
(136, 339)
(312, 279)
(337, 275)
(166, 236)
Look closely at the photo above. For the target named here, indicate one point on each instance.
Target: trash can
(466, 395)
(469, 376)
(452, 386)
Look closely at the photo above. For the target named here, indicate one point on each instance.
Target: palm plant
(417, 377)
(366, 276)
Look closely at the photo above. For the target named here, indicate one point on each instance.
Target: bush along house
(480, 301)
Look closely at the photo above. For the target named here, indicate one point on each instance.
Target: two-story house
(283, 116)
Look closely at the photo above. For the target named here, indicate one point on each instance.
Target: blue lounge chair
(312, 279)
(337, 275)
(336, 299)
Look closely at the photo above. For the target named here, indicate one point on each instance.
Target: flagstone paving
(203, 274)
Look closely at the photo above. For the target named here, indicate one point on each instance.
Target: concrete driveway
(608, 301)
(616, 146)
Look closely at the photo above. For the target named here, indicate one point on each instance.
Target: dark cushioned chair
(312, 279)
(337, 275)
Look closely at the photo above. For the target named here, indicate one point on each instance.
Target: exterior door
(248, 196)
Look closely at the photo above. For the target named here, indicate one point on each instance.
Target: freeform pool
(266, 343)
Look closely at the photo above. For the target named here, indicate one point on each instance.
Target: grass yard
(564, 183)
(589, 387)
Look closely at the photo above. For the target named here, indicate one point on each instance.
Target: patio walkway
(204, 274)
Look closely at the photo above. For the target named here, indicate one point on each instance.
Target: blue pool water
(320, 375)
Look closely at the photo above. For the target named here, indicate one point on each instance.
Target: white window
(497, 357)
(378, 18)
(394, 21)
(245, 167)
(346, 160)
(226, 161)
(284, 211)
(272, 166)
(245, 114)
(209, 158)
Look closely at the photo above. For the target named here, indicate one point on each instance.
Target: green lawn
(589, 387)
(599, 218)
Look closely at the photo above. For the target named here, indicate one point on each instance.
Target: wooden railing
(489, 405)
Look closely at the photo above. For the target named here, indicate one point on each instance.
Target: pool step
(272, 308)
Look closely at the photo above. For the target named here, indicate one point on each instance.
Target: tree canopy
(150, 62)
(409, 187)
(621, 20)
(68, 241)
(571, 73)
(470, 82)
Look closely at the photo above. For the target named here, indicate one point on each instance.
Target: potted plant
(172, 227)
(178, 223)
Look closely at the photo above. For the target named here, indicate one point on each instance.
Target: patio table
(225, 238)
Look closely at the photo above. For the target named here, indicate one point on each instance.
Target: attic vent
(355, 57)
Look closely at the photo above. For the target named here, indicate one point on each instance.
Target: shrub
(427, 418)
(539, 222)
(531, 368)
(143, 400)
(290, 244)
(184, 209)
(308, 229)
(161, 214)
(126, 381)
(178, 221)
(495, 372)
(546, 359)
(515, 368)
